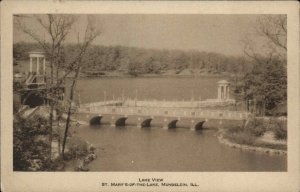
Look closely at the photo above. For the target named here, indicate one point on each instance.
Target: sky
(211, 33)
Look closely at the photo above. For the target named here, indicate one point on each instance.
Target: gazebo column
(227, 91)
(219, 92)
(44, 66)
(222, 92)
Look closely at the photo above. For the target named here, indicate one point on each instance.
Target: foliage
(142, 61)
(255, 127)
(62, 63)
(30, 146)
(242, 138)
(279, 127)
(77, 147)
(280, 133)
(265, 86)
(234, 129)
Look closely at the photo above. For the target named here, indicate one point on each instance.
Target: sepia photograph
(121, 92)
(149, 96)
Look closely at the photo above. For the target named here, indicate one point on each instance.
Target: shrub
(243, 138)
(279, 127)
(255, 127)
(280, 133)
(234, 129)
(30, 154)
(257, 131)
(77, 147)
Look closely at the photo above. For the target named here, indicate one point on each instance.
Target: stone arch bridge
(165, 117)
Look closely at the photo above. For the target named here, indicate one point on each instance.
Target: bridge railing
(166, 112)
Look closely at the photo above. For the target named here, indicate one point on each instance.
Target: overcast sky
(211, 33)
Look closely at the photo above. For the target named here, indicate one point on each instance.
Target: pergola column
(35, 58)
(37, 65)
(30, 69)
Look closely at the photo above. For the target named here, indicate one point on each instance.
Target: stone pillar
(30, 68)
(219, 92)
(222, 92)
(139, 123)
(227, 96)
(113, 122)
(37, 65)
(192, 126)
(226, 92)
(44, 66)
(165, 123)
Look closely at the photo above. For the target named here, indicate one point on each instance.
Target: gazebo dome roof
(223, 82)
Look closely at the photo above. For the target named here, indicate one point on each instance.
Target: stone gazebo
(223, 90)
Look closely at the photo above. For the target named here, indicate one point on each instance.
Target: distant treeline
(145, 61)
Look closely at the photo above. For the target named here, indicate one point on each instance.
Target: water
(155, 149)
(148, 88)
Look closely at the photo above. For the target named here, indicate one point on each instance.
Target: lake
(155, 149)
(148, 88)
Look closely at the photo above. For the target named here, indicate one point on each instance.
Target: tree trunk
(51, 103)
(72, 90)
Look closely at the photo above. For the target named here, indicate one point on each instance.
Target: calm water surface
(92, 90)
(155, 149)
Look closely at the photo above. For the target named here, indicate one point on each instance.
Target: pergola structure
(37, 58)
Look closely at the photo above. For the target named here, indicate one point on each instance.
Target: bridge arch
(199, 125)
(96, 120)
(172, 124)
(121, 121)
(33, 98)
(146, 123)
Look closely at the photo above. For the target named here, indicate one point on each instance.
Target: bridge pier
(113, 122)
(192, 126)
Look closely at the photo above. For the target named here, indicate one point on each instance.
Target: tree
(266, 84)
(236, 68)
(57, 28)
(90, 34)
(274, 28)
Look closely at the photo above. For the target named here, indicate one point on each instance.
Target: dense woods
(137, 61)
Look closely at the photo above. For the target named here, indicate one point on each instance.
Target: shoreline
(121, 75)
(265, 150)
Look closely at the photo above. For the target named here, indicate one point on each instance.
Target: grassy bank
(261, 133)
